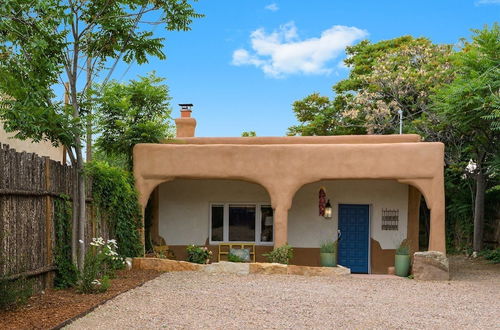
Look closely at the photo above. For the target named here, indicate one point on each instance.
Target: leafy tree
(470, 105)
(46, 42)
(383, 77)
(404, 79)
(132, 113)
(318, 115)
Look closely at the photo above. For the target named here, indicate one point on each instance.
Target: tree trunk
(479, 210)
(81, 207)
(88, 144)
(74, 228)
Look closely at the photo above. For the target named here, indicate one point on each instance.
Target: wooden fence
(29, 185)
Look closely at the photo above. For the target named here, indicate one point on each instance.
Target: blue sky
(244, 64)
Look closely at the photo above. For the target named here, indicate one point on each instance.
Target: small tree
(470, 104)
(46, 42)
(248, 134)
(132, 113)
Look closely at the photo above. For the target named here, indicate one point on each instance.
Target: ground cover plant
(281, 255)
(198, 254)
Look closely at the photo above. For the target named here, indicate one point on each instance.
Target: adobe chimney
(185, 124)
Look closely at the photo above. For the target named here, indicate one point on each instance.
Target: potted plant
(328, 254)
(402, 259)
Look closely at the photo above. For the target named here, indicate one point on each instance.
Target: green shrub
(281, 255)
(492, 255)
(328, 247)
(115, 198)
(234, 258)
(66, 272)
(403, 248)
(14, 292)
(198, 254)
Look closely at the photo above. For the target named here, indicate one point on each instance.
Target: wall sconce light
(328, 210)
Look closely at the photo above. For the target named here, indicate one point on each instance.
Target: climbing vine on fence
(115, 201)
(66, 271)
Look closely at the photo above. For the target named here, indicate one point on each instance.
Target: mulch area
(51, 309)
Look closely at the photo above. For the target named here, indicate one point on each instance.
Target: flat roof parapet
(336, 139)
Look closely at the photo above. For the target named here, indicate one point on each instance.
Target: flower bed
(55, 307)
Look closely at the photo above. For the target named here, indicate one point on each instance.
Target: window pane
(217, 222)
(242, 223)
(267, 224)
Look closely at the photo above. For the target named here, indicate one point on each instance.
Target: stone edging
(166, 265)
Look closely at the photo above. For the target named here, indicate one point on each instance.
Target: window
(241, 223)
(233, 222)
(217, 222)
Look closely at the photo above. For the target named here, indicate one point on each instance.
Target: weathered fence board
(29, 184)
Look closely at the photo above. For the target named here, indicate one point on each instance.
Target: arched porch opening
(392, 211)
(209, 212)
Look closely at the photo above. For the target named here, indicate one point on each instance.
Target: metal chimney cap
(186, 106)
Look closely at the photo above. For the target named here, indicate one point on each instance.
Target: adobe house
(270, 191)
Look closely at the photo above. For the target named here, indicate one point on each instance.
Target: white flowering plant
(101, 262)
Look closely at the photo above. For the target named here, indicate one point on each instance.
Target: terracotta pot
(328, 259)
(402, 264)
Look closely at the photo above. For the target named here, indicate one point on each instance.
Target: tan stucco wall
(282, 169)
(43, 148)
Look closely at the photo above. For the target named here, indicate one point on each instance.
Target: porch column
(437, 235)
(280, 226)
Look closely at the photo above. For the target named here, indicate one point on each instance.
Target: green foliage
(361, 58)
(318, 115)
(492, 255)
(470, 102)
(384, 77)
(14, 293)
(198, 254)
(403, 79)
(115, 198)
(47, 41)
(403, 248)
(131, 113)
(281, 255)
(66, 272)
(328, 247)
(234, 258)
(248, 134)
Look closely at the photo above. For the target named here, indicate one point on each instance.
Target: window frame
(225, 223)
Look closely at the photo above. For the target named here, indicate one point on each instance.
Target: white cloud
(487, 2)
(272, 7)
(283, 53)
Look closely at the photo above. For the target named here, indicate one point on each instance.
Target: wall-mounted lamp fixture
(328, 210)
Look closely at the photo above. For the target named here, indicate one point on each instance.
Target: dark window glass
(242, 223)
(217, 223)
(267, 224)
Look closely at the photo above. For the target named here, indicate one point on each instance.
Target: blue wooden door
(354, 226)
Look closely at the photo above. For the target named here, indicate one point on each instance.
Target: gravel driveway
(187, 300)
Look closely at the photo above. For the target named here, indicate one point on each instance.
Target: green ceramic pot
(328, 259)
(402, 265)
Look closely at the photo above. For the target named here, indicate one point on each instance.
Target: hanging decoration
(322, 201)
